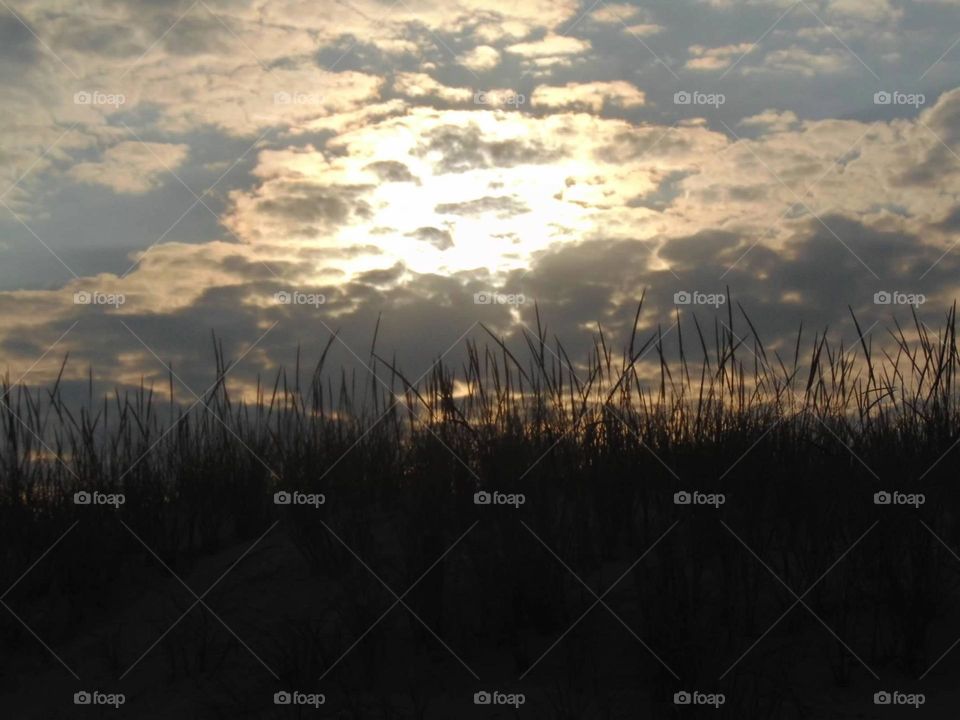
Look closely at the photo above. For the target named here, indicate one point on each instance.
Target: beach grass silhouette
(707, 523)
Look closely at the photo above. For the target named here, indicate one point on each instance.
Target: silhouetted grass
(797, 444)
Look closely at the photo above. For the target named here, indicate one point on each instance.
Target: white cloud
(132, 167)
(550, 46)
(802, 61)
(421, 85)
(772, 121)
(481, 58)
(590, 96)
(643, 30)
(614, 13)
(716, 58)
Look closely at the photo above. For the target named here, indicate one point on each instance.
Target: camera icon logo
(882, 298)
(82, 498)
(682, 298)
(882, 98)
(82, 698)
(282, 498)
(882, 498)
(282, 98)
(482, 698)
(82, 297)
(682, 498)
(682, 98)
(682, 698)
(283, 297)
(882, 698)
(82, 98)
(482, 298)
(282, 698)
(482, 498)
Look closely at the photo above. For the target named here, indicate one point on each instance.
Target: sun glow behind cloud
(438, 192)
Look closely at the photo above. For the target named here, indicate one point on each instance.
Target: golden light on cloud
(437, 192)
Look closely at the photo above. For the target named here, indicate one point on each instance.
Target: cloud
(716, 58)
(772, 121)
(251, 98)
(550, 50)
(380, 183)
(550, 46)
(421, 85)
(464, 148)
(18, 42)
(310, 204)
(590, 96)
(480, 58)
(503, 206)
(614, 13)
(440, 239)
(132, 167)
(876, 11)
(643, 29)
(808, 63)
(392, 171)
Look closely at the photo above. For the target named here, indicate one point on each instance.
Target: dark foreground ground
(598, 597)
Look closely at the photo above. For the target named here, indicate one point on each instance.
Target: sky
(277, 170)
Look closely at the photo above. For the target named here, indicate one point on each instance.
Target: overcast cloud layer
(274, 172)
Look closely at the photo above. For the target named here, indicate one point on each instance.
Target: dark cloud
(711, 247)
(244, 266)
(662, 198)
(464, 148)
(382, 277)
(101, 38)
(940, 161)
(440, 239)
(810, 280)
(392, 171)
(17, 42)
(196, 34)
(934, 170)
(502, 205)
(945, 118)
(643, 142)
(326, 204)
(951, 222)
(345, 252)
